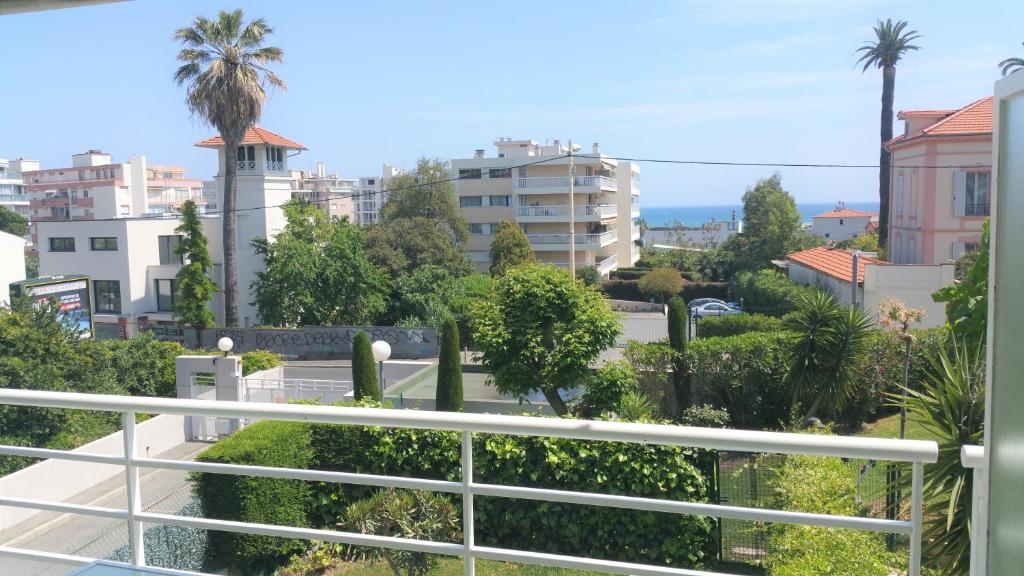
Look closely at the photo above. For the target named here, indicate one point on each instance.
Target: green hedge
(257, 360)
(767, 291)
(262, 500)
(715, 326)
(630, 290)
(823, 486)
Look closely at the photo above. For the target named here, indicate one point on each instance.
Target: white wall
(59, 480)
(12, 264)
(912, 285)
(839, 229)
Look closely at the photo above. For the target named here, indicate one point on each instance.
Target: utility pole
(572, 212)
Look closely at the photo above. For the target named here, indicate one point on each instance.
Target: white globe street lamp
(225, 345)
(381, 352)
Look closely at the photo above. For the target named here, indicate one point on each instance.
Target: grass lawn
(889, 427)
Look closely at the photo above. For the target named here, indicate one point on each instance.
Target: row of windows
(971, 194)
(107, 295)
(478, 201)
(168, 246)
(477, 173)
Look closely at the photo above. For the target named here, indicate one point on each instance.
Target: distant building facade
(711, 234)
(536, 197)
(12, 264)
(842, 223)
(937, 213)
(329, 192)
(373, 193)
(12, 188)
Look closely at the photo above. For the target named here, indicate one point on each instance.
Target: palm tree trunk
(555, 400)
(884, 156)
(815, 406)
(227, 214)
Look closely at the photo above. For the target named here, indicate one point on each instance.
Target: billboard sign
(71, 295)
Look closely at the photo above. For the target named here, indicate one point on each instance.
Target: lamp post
(381, 352)
(225, 345)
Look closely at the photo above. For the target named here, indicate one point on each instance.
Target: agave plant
(950, 406)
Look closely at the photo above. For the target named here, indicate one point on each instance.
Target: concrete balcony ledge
(547, 184)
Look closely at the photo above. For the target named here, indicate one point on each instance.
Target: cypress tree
(678, 317)
(449, 369)
(364, 377)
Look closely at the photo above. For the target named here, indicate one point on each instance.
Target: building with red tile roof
(841, 223)
(941, 183)
(834, 262)
(254, 136)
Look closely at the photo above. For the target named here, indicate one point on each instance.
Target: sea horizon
(697, 215)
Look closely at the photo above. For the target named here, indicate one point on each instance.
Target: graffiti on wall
(324, 342)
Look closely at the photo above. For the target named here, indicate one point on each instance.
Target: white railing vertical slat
(467, 503)
(135, 528)
(916, 494)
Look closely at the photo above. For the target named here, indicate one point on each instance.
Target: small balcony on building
(560, 184)
(560, 213)
(561, 241)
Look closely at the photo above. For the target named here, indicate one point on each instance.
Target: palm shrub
(949, 405)
(449, 369)
(826, 344)
(364, 378)
(678, 317)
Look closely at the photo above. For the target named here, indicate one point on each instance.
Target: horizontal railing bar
(304, 533)
(701, 508)
(309, 475)
(713, 438)
(61, 455)
(51, 506)
(972, 456)
(607, 566)
(40, 556)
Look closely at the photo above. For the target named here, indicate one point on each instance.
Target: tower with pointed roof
(264, 185)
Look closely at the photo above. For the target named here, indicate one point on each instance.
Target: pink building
(941, 183)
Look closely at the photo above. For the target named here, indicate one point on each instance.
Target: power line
(774, 164)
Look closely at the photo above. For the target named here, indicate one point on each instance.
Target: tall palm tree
(1011, 65)
(224, 64)
(885, 51)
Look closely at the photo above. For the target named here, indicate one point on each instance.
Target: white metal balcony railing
(9, 198)
(606, 265)
(973, 458)
(915, 452)
(563, 182)
(602, 210)
(275, 166)
(246, 164)
(582, 239)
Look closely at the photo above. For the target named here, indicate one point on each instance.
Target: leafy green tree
(541, 330)
(404, 244)
(225, 65)
(364, 375)
(662, 283)
(31, 266)
(1011, 65)
(891, 42)
(195, 288)
(449, 369)
(317, 273)
(589, 275)
(509, 248)
(12, 222)
(967, 300)
(864, 243)
(425, 192)
(678, 321)
(425, 294)
(771, 223)
(827, 344)
(605, 389)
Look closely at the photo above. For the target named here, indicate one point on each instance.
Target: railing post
(135, 529)
(467, 503)
(916, 497)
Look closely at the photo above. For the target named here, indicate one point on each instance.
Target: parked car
(714, 309)
(698, 302)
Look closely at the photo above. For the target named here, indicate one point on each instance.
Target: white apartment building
(528, 183)
(842, 223)
(332, 193)
(132, 262)
(12, 188)
(372, 195)
(12, 264)
(167, 188)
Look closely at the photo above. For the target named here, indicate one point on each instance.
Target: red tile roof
(254, 135)
(844, 212)
(872, 225)
(835, 262)
(973, 119)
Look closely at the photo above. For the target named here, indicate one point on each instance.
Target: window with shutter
(898, 202)
(959, 192)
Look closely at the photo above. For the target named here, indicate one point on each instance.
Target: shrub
(251, 499)
(605, 388)
(694, 290)
(630, 290)
(449, 370)
(745, 375)
(589, 275)
(145, 365)
(654, 362)
(628, 273)
(823, 486)
(416, 515)
(768, 291)
(622, 290)
(678, 324)
(713, 326)
(257, 360)
(705, 416)
(558, 463)
(661, 283)
(364, 377)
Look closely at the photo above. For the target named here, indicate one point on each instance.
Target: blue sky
(375, 82)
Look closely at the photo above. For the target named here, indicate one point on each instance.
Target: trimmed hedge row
(630, 290)
(716, 326)
(668, 472)
(768, 291)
